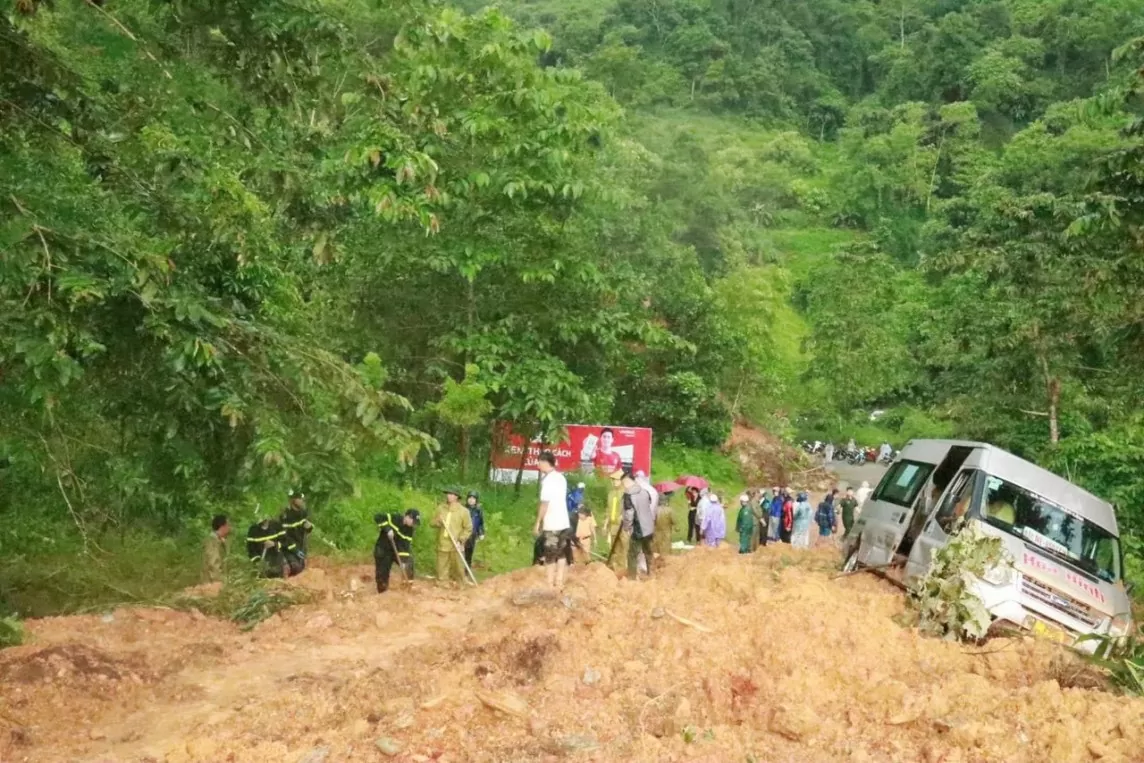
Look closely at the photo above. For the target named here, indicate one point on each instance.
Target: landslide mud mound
(720, 658)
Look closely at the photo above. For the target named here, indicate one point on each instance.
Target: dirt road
(723, 657)
(851, 475)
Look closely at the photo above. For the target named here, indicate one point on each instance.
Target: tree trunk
(1053, 390)
(523, 461)
(464, 453)
(1054, 405)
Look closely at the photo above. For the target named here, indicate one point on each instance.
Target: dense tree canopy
(249, 243)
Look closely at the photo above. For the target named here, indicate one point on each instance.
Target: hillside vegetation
(325, 243)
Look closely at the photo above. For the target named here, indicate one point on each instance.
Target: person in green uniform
(452, 517)
(848, 505)
(745, 524)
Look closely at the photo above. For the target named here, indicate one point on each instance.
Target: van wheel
(851, 562)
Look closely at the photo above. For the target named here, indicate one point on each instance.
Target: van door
(927, 502)
(892, 503)
(942, 521)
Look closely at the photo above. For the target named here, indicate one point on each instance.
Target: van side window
(956, 502)
(903, 482)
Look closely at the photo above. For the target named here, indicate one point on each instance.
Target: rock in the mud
(658, 613)
(533, 597)
(316, 755)
(794, 723)
(387, 746)
(591, 677)
(574, 743)
(319, 622)
(504, 701)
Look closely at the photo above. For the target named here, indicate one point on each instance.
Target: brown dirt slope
(777, 662)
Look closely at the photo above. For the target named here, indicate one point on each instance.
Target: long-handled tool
(615, 540)
(397, 558)
(460, 553)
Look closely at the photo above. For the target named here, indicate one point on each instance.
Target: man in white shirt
(552, 523)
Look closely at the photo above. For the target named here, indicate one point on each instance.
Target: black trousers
(470, 547)
(692, 529)
(383, 561)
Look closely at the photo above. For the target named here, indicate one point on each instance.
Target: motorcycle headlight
(1120, 624)
(1000, 575)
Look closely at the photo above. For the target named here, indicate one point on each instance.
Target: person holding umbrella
(692, 494)
(695, 489)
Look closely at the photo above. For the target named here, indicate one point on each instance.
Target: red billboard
(587, 448)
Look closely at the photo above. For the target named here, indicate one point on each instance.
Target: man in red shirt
(607, 460)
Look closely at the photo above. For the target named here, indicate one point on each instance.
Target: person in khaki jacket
(214, 550)
(454, 516)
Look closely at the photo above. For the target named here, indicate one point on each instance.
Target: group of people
(779, 515)
(637, 525)
(566, 529)
(277, 546)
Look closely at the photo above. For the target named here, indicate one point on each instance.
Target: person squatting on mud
(394, 545)
(296, 524)
(552, 526)
(454, 528)
(265, 545)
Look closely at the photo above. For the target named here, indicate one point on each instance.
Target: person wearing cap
(745, 524)
(575, 498)
(585, 534)
(615, 505)
(800, 535)
(452, 518)
(264, 547)
(296, 524)
(394, 545)
(621, 540)
(477, 516)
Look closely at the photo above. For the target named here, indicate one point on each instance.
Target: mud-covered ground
(778, 661)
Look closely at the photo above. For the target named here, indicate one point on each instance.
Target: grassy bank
(52, 570)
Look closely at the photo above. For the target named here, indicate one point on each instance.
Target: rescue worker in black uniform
(297, 526)
(394, 544)
(264, 546)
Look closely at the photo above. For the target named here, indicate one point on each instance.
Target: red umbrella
(667, 487)
(689, 481)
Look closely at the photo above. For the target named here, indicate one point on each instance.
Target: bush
(945, 604)
(11, 632)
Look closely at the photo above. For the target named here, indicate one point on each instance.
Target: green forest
(247, 245)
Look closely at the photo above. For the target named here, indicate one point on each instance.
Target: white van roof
(1003, 464)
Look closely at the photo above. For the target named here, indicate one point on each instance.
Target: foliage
(943, 597)
(11, 632)
(1122, 659)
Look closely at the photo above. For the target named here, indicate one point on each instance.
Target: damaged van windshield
(1052, 529)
